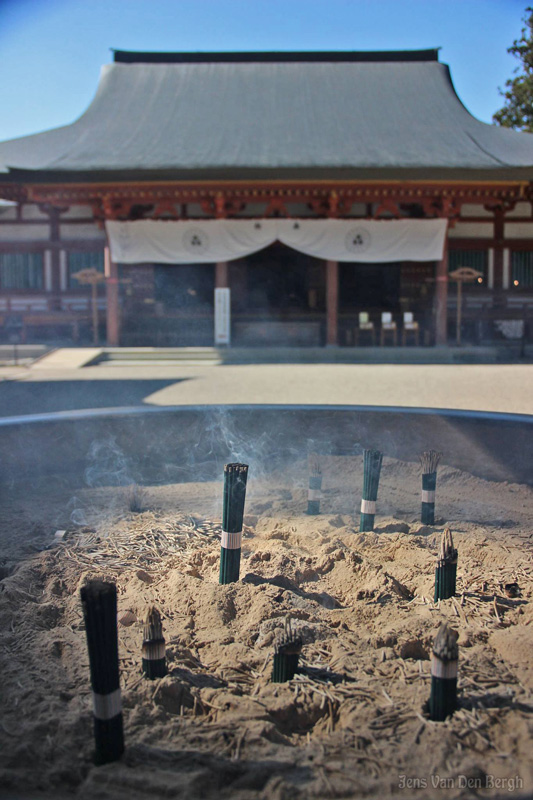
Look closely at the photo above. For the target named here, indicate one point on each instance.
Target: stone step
(154, 362)
(68, 358)
(157, 356)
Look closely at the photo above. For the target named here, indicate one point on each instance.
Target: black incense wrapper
(99, 604)
(234, 496)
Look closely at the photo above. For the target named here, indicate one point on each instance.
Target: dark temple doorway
(369, 287)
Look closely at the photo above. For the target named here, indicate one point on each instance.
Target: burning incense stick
(136, 497)
(429, 461)
(286, 654)
(446, 571)
(371, 471)
(154, 664)
(99, 602)
(443, 698)
(235, 476)
(315, 484)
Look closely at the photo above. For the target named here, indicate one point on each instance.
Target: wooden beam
(328, 197)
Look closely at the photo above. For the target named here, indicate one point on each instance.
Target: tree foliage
(517, 111)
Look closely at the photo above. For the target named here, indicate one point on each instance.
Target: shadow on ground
(40, 397)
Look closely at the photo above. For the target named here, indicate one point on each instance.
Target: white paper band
(428, 496)
(231, 541)
(443, 669)
(107, 706)
(314, 494)
(368, 506)
(153, 651)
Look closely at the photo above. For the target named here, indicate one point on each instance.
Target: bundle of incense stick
(371, 470)
(315, 484)
(443, 698)
(286, 654)
(235, 476)
(99, 602)
(429, 461)
(446, 571)
(154, 663)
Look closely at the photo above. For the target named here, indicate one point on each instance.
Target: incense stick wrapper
(443, 698)
(446, 570)
(99, 603)
(429, 461)
(154, 662)
(235, 477)
(315, 484)
(371, 471)
(286, 655)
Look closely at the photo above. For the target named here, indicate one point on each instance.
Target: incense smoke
(108, 466)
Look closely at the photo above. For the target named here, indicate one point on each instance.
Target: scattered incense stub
(315, 484)
(235, 477)
(154, 662)
(371, 471)
(99, 603)
(286, 655)
(126, 618)
(443, 698)
(510, 590)
(446, 571)
(429, 461)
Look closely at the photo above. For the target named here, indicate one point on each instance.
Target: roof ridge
(273, 56)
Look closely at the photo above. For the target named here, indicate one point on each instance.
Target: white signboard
(222, 316)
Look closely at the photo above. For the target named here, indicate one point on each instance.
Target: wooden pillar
(441, 298)
(332, 303)
(221, 275)
(112, 312)
(498, 250)
(55, 237)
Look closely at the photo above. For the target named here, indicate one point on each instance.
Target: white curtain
(207, 241)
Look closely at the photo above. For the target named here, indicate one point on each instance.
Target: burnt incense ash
(286, 654)
(446, 570)
(99, 603)
(235, 477)
(154, 663)
(429, 461)
(372, 460)
(349, 598)
(443, 698)
(315, 484)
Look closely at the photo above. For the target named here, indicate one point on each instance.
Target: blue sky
(52, 50)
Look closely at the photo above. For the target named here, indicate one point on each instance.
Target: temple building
(268, 199)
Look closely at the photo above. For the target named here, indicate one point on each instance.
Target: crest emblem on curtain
(357, 240)
(196, 241)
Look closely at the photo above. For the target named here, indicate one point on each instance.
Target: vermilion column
(112, 312)
(441, 298)
(55, 237)
(221, 275)
(499, 220)
(332, 302)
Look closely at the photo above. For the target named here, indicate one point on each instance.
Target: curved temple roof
(277, 115)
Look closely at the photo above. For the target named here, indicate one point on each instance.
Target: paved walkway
(504, 388)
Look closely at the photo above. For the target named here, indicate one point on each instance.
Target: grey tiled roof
(277, 118)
